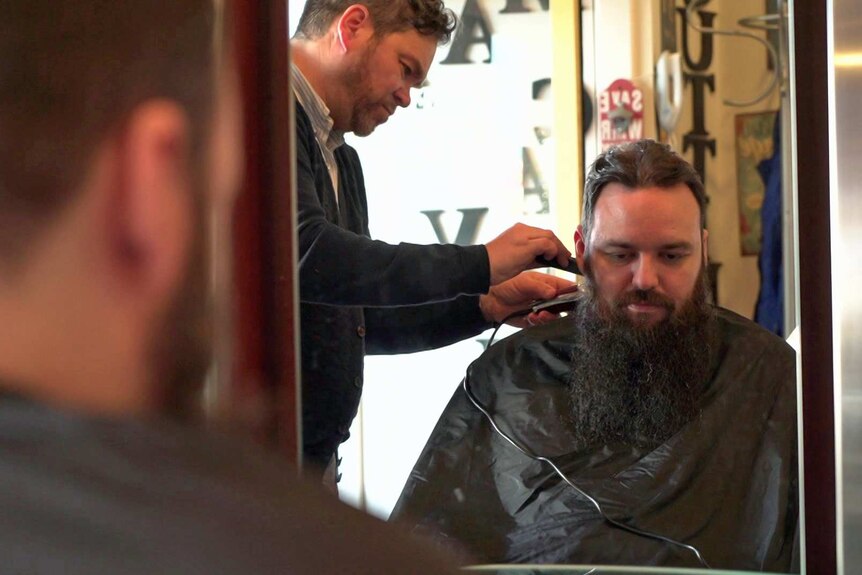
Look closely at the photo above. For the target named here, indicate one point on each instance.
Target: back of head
(70, 73)
(640, 164)
(428, 17)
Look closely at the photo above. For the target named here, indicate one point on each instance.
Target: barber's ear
(150, 207)
(355, 22)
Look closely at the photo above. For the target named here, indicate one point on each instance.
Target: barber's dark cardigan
(363, 296)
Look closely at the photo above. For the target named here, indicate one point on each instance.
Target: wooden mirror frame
(265, 373)
(815, 273)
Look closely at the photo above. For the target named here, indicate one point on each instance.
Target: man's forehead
(649, 208)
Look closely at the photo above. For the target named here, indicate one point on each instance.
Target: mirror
(495, 136)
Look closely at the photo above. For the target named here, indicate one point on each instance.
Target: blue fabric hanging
(769, 310)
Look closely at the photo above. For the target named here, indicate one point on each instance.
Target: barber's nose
(645, 273)
(402, 96)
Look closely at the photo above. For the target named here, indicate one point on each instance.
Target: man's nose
(645, 273)
(402, 96)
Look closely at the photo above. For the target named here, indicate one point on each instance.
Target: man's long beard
(636, 384)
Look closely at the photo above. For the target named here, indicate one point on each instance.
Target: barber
(353, 65)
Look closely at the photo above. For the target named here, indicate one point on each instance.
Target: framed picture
(754, 144)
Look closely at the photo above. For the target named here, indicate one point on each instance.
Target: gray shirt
(318, 113)
(86, 495)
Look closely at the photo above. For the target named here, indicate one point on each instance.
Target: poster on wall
(621, 113)
(754, 143)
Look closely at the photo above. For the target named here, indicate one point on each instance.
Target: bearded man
(648, 427)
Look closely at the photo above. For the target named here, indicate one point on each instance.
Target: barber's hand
(519, 293)
(516, 250)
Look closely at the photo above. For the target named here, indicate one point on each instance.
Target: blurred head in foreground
(117, 135)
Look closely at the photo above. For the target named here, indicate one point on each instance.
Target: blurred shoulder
(738, 330)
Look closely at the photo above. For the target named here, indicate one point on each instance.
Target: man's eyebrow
(611, 243)
(678, 246)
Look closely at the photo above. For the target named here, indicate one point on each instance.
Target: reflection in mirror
(474, 151)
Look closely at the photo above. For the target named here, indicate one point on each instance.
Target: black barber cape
(726, 483)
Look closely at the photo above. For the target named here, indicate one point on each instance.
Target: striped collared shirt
(327, 138)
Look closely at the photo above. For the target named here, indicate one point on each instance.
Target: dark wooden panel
(266, 375)
(812, 126)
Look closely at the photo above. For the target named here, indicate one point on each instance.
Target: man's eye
(674, 256)
(618, 256)
(406, 70)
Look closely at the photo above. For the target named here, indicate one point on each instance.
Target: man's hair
(71, 72)
(641, 164)
(428, 17)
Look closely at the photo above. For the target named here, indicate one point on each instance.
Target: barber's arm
(418, 328)
(340, 267)
(414, 328)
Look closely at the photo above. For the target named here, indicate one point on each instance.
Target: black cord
(509, 317)
(581, 492)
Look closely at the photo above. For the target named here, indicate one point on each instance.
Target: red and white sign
(621, 113)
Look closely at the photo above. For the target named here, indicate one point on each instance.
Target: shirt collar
(316, 109)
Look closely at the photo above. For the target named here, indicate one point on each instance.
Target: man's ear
(580, 246)
(354, 23)
(705, 243)
(150, 207)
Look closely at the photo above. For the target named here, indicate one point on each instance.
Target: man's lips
(645, 300)
(643, 307)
